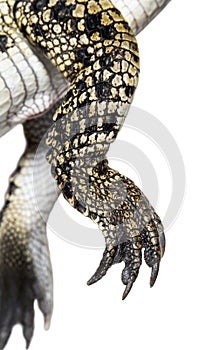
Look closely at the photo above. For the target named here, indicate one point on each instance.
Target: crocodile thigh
(29, 84)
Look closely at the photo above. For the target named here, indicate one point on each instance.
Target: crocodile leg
(129, 225)
(97, 52)
(25, 268)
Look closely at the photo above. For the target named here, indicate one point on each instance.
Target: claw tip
(4, 336)
(127, 290)
(154, 273)
(90, 282)
(47, 320)
(27, 344)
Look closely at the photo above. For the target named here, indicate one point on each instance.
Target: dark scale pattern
(3, 42)
(6, 42)
(92, 45)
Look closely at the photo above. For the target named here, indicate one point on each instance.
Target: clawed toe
(47, 321)
(16, 306)
(28, 325)
(133, 260)
(4, 336)
(17, 296)
(105, 264)
(129, 250)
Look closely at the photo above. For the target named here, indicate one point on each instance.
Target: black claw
(93, 279)
(4, 336)
(27, 322)
(105, 264)
(162, 243)
(127, 290)
(133, 260)
(28, 337)
(28, 334)
(154, 273)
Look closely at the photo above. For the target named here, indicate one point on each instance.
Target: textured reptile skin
(87, 49)
(29, 84)
(25, 268)
(139, 13)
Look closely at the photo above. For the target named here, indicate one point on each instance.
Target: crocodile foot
(129, 250)
(18, 291)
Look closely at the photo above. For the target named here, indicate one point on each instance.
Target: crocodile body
(69, 70)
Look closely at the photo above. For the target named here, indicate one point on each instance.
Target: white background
(180, 85)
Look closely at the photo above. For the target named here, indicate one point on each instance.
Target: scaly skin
(25, 268)
(139, 13)
(29, 84)
(102, 85)
(97, 58)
